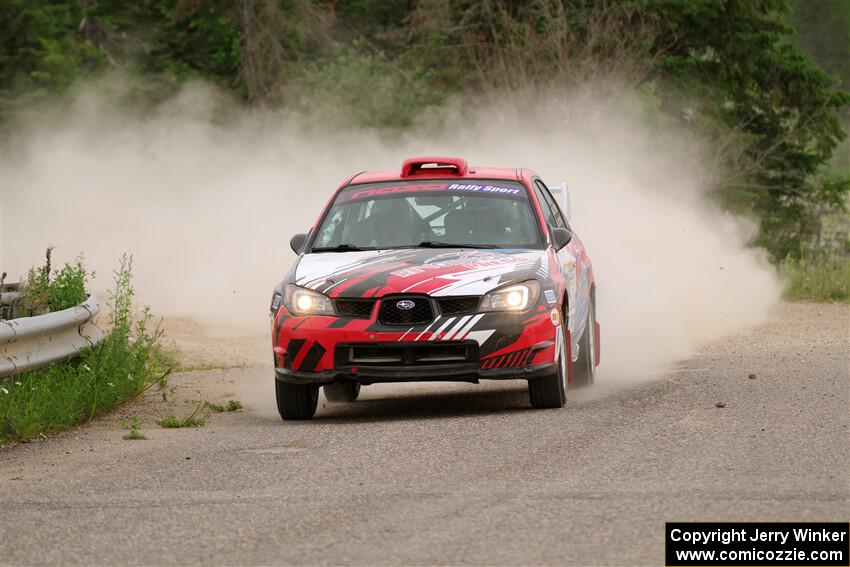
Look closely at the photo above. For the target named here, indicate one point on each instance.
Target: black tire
(296, 401)
(584, 370)
(342, 391)
(551, 391)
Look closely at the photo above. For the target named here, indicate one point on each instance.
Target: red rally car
(437, 271)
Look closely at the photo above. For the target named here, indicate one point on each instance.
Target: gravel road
(452, 474)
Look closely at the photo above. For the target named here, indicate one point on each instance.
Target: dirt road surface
(450, 474)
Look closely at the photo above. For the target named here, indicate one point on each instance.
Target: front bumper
(322, 349)
(467, 372)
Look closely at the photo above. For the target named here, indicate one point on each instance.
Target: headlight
(302, 301)
(517, 297)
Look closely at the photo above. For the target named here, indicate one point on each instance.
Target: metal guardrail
(30, 342)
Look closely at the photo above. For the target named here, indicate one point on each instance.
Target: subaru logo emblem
(405, 305)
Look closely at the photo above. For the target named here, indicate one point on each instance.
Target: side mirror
(560, 237)
(297, 242)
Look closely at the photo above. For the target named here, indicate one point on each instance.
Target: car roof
(439, 167)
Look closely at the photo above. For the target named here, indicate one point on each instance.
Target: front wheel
(296, 401)
(551, 391)
(342, 391)
(585, 366)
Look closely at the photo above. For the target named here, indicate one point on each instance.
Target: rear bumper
(442, 373)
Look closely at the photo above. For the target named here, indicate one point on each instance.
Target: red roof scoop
(433, 165)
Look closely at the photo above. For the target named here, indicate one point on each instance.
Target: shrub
(118, 368)
(68, 287)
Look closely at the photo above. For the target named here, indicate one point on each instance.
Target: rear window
(476, 212)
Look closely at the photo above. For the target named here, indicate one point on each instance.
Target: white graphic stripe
(454, 329)
(408, 288)
(480, 336)
(405, 334)
(462, 333)
(326, 290)
(428, 327)
(443, 326)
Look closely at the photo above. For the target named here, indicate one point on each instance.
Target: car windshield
(433, 213)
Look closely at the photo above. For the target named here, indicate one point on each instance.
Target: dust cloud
(207, 200)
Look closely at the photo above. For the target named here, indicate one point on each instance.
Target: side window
(329, 233)
(544, 205)
(553, 205)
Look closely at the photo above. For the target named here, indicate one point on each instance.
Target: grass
(214, 408)
(133, 425)
(232, 405)
(821, 278)
(198, 418)
(65, 394)
(174, 422)
(134, 435)
(207, 366)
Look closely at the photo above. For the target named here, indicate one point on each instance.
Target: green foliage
(61, 395)
(133, 426)
(731, 70)
(42, 49)
(131, 422)
(213, 407)
(198, 418)
(817, 278)
(734, 61)
(368, 89)
(133, 435)
(68, 287)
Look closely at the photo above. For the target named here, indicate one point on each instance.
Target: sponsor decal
(509, 189)
(550, 296)
(469, 260)
(484, 188)
(377, 192)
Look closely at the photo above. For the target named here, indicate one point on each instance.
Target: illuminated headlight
(302, 301)
(517, 297)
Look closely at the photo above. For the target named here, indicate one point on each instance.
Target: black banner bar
(745, 544)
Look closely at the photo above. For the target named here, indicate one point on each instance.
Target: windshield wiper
(435, 244)
(340, 248)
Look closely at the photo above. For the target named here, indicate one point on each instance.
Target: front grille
(458, 305)
(355, 308)
(420, 313)
(406, 354)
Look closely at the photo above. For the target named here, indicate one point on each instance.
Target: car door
(566, 258)
(575, 268)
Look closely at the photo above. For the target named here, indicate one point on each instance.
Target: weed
(131, 422)
(234, 405)
(134, 435)
(198, 418)
(36, 290)
(174, 422)
(68, 287)
(213, 408)
(208, 366)
(170, 422)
